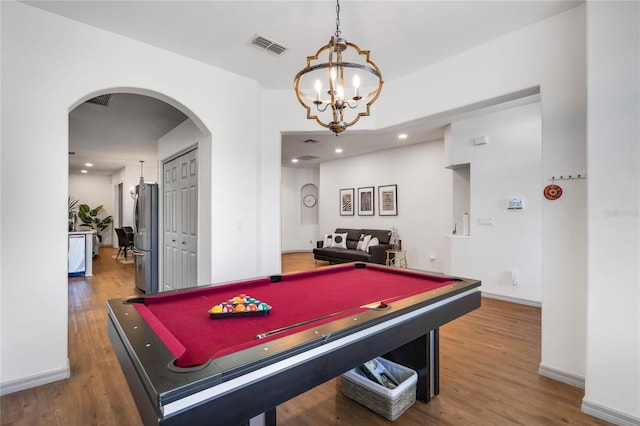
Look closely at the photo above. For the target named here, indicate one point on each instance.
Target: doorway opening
(112, 130)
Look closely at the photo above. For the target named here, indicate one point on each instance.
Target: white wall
(183, 137)
(297, 234)
(551, 55)
(62, 63)
(94, 190)
(423, 218)
(514, 241)
(613, 320)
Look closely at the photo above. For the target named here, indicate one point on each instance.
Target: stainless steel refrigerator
(145, 237)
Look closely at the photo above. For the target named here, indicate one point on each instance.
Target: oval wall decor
(552, 192)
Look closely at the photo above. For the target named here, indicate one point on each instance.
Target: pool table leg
(264, 419)
(422, 355)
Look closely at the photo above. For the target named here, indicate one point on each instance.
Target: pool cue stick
(292, 326)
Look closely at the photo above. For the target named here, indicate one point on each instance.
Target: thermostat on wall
(515, 203)
(481, 140)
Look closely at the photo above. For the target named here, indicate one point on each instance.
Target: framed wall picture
(347, 202)
(366, 202)
(388, 200)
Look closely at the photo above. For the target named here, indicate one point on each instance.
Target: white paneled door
(180, 178)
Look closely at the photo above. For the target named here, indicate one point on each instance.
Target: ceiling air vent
(101, 100)
(310, 141)
(307, 158)
(269, 45)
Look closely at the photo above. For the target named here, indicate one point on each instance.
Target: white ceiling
(323, 144)
(124, 132)
(403, 36)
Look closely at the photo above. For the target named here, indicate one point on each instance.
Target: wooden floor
(489, 362)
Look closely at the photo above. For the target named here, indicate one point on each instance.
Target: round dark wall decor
(552, 192)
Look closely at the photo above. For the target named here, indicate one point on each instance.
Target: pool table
(185, 365)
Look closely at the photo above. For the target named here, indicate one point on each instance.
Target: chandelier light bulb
(334, 64)
(356, 87)
(318, 86)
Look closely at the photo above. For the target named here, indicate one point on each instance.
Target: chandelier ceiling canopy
(340, 90)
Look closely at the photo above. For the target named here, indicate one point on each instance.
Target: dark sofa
(375, 254)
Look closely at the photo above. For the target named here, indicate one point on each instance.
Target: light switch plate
(485, 221)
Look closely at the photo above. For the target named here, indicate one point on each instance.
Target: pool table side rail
(237, 364)
(280, 384)
(152, 381)
(155, 358)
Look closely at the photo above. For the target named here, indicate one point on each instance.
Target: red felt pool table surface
(182, 322)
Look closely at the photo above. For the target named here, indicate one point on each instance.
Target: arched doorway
(114, 129)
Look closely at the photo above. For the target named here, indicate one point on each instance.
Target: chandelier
(320, 86)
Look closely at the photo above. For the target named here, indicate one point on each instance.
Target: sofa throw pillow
(339, 240)
(327, 241)
(373, 242)
(363, 242)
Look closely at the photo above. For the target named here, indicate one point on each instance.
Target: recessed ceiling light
(83, 171)
(89, 164)
(294, 160)
(338, 150)
(402, 136)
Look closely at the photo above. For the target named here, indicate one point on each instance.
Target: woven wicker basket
(389, 403)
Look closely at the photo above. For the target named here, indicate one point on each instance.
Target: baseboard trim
(297, 251)
(561, 376)
(608, 414)
(35, 380)
(512, 299)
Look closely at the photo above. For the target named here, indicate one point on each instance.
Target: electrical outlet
(514, 276)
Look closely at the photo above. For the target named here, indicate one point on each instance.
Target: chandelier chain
(337, 18)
